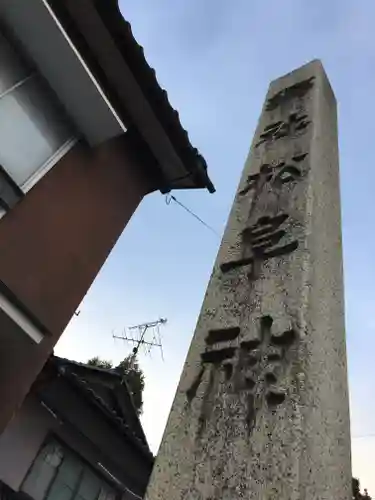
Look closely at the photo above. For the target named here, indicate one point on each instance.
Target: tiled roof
(133, 53)
(110, 371)
(133, 432)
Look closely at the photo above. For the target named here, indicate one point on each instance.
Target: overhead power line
(168, 200)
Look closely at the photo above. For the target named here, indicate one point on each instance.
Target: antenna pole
(140, 340)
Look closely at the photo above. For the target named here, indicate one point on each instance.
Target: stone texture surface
(261, 410)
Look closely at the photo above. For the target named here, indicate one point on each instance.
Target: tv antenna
(137, 336)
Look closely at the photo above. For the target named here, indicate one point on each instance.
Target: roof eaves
(84, 387)
(65, 361)
(157, 98)
(134, 55)
(62, 362)
(118, 420)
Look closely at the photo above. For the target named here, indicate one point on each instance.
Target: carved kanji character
(295, 124)
(265, 174)
(265, 235)
(262, 238)
(261, 362)
(253, 369)
(281, 173)
(297, 90)
(218, 356)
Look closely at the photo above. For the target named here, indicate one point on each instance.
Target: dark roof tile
(133, 54)
(66, 368)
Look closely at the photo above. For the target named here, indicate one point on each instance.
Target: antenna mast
(137, 335)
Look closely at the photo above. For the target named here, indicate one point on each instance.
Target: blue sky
(216, 59)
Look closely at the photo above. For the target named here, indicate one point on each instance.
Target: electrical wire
(169, 198)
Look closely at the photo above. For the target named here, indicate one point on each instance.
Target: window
(59, 474)
(34, 130)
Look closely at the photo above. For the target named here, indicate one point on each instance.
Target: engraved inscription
(281, 173)
(262, 239)
(254, 368)
(222, 335)
(218, 358)
(296, 124)
(215, 356)
(299, 90)
(262, 362)
(266, 236)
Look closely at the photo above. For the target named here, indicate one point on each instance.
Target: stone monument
(261, 410)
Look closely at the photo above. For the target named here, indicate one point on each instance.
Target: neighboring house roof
(105, 40)
(107, 390)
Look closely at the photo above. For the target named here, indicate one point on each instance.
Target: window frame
(54, 438)
(48, 164)
(31, 73)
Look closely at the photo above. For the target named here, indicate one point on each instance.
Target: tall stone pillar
(261, 410)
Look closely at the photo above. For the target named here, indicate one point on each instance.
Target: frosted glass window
(32, 129)
(67, 479)
(43, 471)
(89, 488)
(59, 474)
